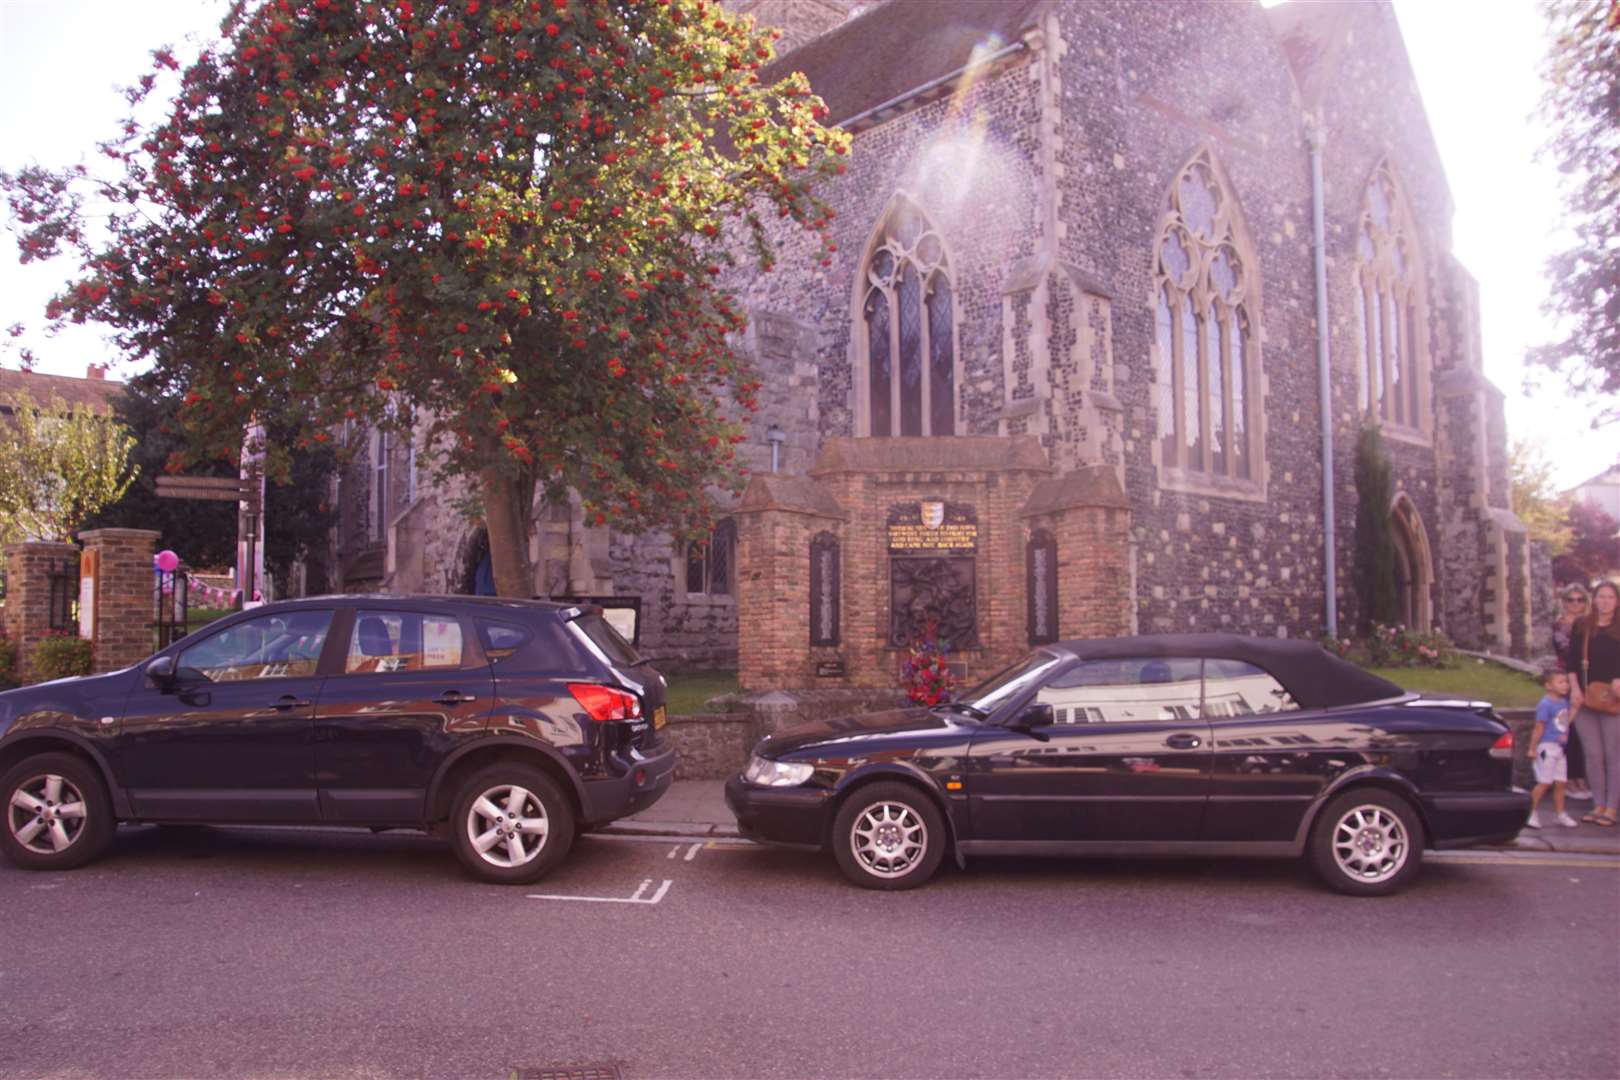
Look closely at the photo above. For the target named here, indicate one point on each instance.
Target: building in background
(1091, 223)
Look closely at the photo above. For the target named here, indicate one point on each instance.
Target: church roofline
(878, 61)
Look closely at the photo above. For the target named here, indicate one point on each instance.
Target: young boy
(1547, 741)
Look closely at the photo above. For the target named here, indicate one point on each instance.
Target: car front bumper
(796, 816)
(1462, 819)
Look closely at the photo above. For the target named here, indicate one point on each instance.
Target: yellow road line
(1486, 860)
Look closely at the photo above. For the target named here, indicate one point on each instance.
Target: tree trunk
(507, 502)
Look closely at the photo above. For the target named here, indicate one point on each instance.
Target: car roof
(1314, 677)
(409, 600)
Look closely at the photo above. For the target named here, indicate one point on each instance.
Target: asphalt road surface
(289, 953)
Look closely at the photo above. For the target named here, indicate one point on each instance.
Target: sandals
(1600, 819)
(1594, 818)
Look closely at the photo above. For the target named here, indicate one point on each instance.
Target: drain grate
(600, 1071)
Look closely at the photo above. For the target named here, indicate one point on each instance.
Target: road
(314, 953)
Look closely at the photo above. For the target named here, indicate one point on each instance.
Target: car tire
(58, 815)
(1367, 842)
(498, 847)
(889, 836)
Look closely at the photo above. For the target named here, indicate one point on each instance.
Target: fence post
(29, 567)
(122, 631)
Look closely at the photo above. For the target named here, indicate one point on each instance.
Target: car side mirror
(1034, 715)
(162, 672)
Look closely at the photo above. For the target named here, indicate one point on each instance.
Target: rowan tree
(507, 217)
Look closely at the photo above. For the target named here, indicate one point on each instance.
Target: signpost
(248, 490)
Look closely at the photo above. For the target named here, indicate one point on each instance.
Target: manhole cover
(569, 1072)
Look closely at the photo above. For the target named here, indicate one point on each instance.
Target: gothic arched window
(907, 385)
(1389, 307)
(1204, 347)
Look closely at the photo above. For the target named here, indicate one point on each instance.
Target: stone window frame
(725, 531)
(1221, 275)
(867, 280)
(1389, 277)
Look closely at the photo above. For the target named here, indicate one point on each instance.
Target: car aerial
(1198, 744)
(505, 725)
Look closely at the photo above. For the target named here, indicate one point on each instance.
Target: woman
(1593, 657)
(1573, 607)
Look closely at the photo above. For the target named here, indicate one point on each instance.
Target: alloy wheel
(888, 839)
(1370, 844)
(46, 814)
(507, 826)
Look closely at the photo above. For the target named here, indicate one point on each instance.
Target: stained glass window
(1216, 395)
(909, 313)
(1391, 274)
(1202, 329)
(877, 359)
(941, 360)
(911, 361)
(1164, 376)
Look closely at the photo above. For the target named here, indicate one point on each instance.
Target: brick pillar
(122, 634)
(28, 594)
(1088, 514)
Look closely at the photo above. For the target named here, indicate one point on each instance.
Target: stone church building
(1065, 368)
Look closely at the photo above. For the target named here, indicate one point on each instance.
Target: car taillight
(605, 703)
(1503, 747)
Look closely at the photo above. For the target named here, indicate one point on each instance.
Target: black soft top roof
(1315, 678)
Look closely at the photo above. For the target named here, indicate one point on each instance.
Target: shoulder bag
(1600, 695)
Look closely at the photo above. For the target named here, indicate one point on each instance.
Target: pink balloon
(167, 561)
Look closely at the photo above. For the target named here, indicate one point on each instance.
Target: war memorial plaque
(933, 528)
(824, 589)
(1040, 569)
(932, 574)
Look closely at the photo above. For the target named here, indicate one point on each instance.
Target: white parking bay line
(691, 852)
(636, 897)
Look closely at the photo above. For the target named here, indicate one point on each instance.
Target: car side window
(394, 641)
(501, 640)
(1124, 690)
(1235, 688)
(281, 646)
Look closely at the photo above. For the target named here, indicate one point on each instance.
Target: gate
(171, 594)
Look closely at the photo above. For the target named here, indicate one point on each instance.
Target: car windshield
(1007, 683)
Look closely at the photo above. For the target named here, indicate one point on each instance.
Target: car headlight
(767, 773)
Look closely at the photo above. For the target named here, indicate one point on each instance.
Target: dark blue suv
(505, 725)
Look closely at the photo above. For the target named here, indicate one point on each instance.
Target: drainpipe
(1314, 132)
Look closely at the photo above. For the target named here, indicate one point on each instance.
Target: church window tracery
(1389, 305)
(908, 312)
(1203, 340)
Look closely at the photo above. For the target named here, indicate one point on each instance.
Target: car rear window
(609, 640)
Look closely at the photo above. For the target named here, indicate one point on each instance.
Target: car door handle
(1183, 740)
(454, 697)
(287, 701)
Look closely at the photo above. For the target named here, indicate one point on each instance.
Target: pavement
(696, 810)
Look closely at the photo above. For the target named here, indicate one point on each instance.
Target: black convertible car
(1205, 744)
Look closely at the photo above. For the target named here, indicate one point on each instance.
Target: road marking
(1507, 858)
(634, 898)
(691, 852)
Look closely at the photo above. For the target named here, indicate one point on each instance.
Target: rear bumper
(1466, 818)
(796, 817)
(611, 798)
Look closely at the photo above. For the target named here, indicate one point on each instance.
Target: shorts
(1551, 766)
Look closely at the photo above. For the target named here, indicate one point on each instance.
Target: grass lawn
(1474, 679)
(688, 690)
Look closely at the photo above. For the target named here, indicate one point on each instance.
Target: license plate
(659, 719)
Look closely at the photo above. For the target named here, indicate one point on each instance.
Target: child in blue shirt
(1547, 742)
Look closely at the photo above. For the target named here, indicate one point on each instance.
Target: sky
(1477, 69)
